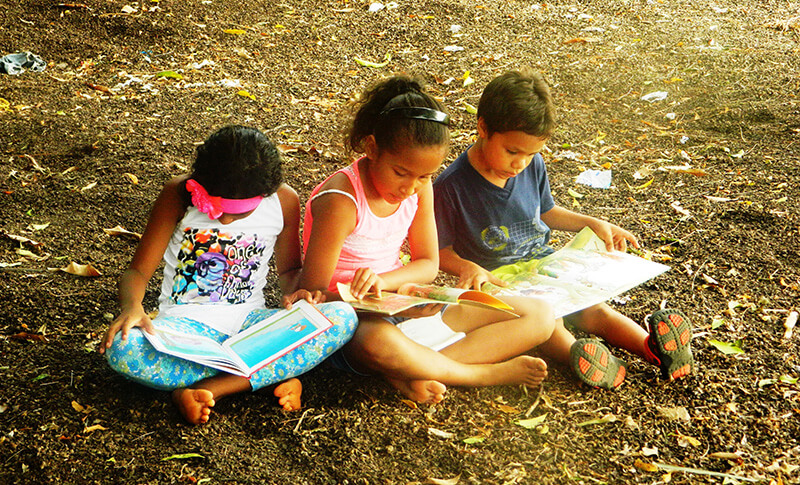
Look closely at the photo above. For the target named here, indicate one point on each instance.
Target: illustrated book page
(580, 275)
(250, 350)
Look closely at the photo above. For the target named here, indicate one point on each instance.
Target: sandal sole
(672, 333)
(595, 365)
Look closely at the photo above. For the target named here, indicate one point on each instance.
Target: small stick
(536, 402)
(300, 421)
(789, 324)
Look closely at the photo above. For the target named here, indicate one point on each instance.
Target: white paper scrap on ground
(599, 179)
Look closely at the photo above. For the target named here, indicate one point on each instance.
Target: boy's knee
(595, 317)
(536, 310)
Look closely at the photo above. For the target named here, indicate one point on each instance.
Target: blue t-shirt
(490, 225)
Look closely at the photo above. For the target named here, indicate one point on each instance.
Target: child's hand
(312, 297)
(366, 281)
(614, 236)
(474, 276)
(125, 322)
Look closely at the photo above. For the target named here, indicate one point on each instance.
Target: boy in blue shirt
(493, 207)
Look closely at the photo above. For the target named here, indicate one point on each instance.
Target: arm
(470, 275)
(614, 236)
(167, 211)
(288, 262)
(334, 219)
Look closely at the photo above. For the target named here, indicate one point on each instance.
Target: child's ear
(371, 147)
(483, 130)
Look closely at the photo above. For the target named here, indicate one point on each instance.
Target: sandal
(595, 365)
(671, 342)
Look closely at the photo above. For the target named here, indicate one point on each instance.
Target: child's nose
(409, 189)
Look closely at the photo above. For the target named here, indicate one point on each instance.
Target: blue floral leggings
(137, 360)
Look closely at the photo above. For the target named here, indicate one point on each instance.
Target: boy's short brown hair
(518, 101)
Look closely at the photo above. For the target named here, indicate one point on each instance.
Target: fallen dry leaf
(98, 87)
(724, 455)
(697, 172)
(29, 336)
(684, 440)
(121, 231)
(20, 239)
(680, 210)
(80, 270)
(442, 481)
(507, 409)
(95, 427)
(644, 466)
(441, 434)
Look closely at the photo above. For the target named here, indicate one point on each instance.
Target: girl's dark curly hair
(393, 132)
(237, 162)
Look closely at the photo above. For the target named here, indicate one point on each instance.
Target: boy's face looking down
(500, 156)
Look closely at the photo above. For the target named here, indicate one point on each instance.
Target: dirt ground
(707, 178)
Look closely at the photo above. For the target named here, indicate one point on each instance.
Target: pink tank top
(375, 242)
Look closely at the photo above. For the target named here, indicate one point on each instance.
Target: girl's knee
(120, 349)
(339, 312)
(376, 341)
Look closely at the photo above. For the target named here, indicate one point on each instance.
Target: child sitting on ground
(493, 207)
(356, 222)
(216, 229)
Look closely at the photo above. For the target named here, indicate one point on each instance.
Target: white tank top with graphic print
(215, 273)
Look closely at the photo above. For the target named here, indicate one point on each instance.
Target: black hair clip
(419, 113)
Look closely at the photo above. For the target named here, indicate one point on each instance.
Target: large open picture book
(248, 351)
(581, 274)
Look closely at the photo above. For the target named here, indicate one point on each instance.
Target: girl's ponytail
(380, 112)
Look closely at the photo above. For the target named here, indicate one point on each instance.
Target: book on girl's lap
(410, 295)
(248, 351)
(580, 275)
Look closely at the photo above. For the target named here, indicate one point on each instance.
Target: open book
(413, 295)
(580, 275)
(250, 350)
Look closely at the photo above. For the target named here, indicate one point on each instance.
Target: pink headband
(216, 206)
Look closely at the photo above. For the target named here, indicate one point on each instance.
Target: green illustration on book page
(580, 275)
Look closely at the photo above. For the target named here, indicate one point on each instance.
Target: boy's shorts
(339, 361)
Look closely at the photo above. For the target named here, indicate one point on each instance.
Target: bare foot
(288, 394)
(527, 370)
(194, 404)
(423, 391)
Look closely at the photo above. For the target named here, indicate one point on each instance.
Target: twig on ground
(535, 402)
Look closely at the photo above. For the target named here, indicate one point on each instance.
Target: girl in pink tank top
(356, 223)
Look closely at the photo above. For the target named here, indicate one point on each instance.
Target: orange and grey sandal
(671, 342)
(595, 365)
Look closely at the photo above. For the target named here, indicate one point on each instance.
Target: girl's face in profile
(399, 174)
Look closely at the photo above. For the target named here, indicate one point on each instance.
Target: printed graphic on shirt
(521, 240)
(216, 267)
